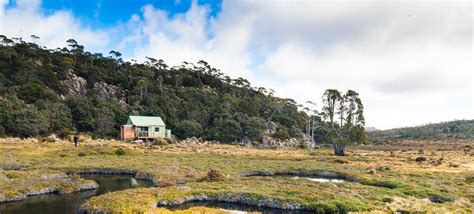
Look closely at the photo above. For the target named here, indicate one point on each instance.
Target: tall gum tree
(349, 110)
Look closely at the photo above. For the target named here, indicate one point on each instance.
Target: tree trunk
(11, 63)
(339, 149)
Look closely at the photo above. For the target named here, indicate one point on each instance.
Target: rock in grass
(183, 188)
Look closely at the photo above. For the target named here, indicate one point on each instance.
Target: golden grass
(407, 178)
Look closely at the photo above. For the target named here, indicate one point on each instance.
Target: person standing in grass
(75, 139)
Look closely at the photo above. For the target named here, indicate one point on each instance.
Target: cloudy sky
(412, 62)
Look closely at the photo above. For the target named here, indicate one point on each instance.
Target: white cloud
(27, 18)
(409, 60)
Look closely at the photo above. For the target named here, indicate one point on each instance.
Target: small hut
(144, 128)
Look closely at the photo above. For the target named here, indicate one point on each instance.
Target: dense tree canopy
(463, 129)
(46, 91)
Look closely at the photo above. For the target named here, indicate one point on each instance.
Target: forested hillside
(452, 129)
(44, 91)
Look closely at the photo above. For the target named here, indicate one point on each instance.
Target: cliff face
(77, 86)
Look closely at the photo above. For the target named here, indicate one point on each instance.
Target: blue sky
(107, 13)
(411, 62)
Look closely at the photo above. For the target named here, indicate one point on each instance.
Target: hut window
(157, 129)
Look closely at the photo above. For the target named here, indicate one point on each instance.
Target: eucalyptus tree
(350, 112)
(116, 55)
(143, 86)
(35, 38)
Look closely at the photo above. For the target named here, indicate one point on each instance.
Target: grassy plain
(382, 178)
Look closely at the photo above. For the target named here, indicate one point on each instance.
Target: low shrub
(455, 165)
(47, 140)
(387, 199)
(170, 140)
(81, 154)
(392, 154)
(420, 159)
(383, 168)
(160, 142)
(372, 171)
(470, 179)
(341, 161)
(435, 198)
(62, 155)
(166, 184)
(214, 176)
(303, 145)
(120, 152)
(382, 183)
(11, 175)
(437, 162)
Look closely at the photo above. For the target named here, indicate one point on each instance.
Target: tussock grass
(397, 176)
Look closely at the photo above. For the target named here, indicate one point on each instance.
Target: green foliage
(470, 179)
(463, 129)
(438, 198)
(391, 184)
(188, 128)
(281, 134)
(387, 199)
(344, 115)
(27, 121)
(120, 152)
(303, 145)
(69, 89)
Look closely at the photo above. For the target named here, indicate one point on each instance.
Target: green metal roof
(145, 121)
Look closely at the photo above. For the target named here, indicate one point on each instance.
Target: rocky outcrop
(271, 143)
(110, 91)
(76, 85)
